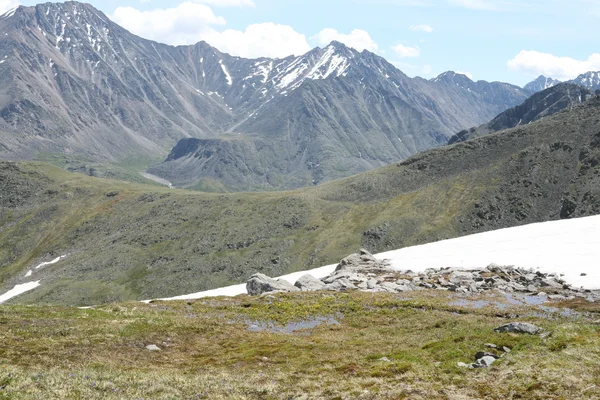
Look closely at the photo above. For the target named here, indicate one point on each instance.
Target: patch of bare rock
(362, 271)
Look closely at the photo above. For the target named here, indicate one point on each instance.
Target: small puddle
(470, 303)
(291, 327)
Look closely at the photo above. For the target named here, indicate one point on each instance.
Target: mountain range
(75, 83)
(589, 80)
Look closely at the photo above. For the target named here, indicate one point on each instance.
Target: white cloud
(357, 39)
(189, 23)
(406, 51)
(467, 74)
(421, 28)
(562, 68)
(184, 24)
(6, 5)
(260, 40)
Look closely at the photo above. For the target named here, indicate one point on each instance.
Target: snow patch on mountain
(226, 72)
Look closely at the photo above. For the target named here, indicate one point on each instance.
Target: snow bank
(569, 247)
(17, 290)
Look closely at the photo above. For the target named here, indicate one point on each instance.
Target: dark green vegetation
(129, 241)
(382, 347)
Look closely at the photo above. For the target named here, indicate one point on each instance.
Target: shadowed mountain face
(72, 81)
(540, 105)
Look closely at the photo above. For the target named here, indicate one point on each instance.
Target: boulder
(484, 362)
(308, 283)
(260, 283)
(152, 347)
(519, 327)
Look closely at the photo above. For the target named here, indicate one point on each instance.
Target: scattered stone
(463, 365)
(362, 271)
(482, 354)
(153, 347)
(484, 362)
(596, 322)
(584, 274)
(519, 327)
(545, 335)
(114, 193)
(260, 283)
(490, 346)
(506, 349)
(384, 359)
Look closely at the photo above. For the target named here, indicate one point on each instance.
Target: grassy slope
(208, 351)
(149, 241)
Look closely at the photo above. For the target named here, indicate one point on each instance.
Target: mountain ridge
(76, 83)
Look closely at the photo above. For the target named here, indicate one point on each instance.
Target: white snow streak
(569, 247)
(226, 72)
(57, 259)
(18, 290)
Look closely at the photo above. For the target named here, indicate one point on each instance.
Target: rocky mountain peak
(589, 80)
(452, 77)
(541, 83)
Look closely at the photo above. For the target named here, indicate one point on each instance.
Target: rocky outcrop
(260, 283)
(519, 327)
(362, 271)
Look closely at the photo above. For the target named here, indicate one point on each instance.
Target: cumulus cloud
(260, 40)
(6, 5)
(406, 51)
(357, 39)
(183, 24)
(190, 22)
(562, 68)
(421, 28)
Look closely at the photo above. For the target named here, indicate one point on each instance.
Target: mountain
(590, 80)
(125, 241)
(540, 105)
(75, 83)
(541, 83)
(369, 116)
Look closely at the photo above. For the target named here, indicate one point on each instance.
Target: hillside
(72, 82)
(540, 105)
(124, 241)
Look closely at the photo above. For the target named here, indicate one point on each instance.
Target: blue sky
(505, 40)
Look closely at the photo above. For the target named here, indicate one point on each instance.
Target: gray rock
(519, 327)
(153, 347)
(484, 362)
(482, 354)
(463, 365)
(490, 346)
(308, 283)
(461, 277)
(260, 283)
